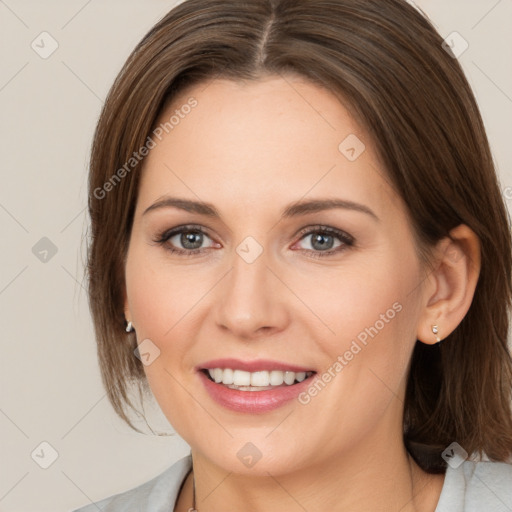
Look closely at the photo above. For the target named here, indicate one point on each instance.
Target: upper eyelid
(324, 229)
(305, 230)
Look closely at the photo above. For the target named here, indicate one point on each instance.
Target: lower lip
(253, 401)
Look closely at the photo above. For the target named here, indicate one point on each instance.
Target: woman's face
(333, 289)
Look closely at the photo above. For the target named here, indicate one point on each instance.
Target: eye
(320, 240)
(186, 240)
(325, 241)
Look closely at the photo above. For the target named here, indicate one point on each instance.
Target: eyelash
(346, 239)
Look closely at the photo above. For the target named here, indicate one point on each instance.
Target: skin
(251, 149)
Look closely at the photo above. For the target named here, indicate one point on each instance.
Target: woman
(300, 248)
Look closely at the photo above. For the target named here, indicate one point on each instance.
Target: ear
(126, 307)
(450, 287)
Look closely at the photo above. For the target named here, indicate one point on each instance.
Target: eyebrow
(293, 210)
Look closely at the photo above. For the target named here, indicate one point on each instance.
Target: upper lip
(251, 366)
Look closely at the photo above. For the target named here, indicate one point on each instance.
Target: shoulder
(157, 494)
(489, 484)
(477, 485)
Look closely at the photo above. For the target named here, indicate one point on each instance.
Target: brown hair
(387, 61)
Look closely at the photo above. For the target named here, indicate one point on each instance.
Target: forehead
(261, 143)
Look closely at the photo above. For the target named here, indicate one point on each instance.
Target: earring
(435, 330)
(129, 327)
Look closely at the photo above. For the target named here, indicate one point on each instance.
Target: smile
(253, 387)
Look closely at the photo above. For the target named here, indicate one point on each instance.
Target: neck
(357, 482)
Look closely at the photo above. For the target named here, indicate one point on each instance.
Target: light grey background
(49, 378)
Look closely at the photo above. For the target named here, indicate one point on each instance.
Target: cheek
(160, 295)
(366, 361)
(165, 302)
(159, 300)
(362, 302)
(371, 310)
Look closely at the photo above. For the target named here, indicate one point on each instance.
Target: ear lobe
(454, 280)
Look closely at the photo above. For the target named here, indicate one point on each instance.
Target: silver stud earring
(435, 330)
(129, 327)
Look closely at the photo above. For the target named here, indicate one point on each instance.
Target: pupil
(321, 240)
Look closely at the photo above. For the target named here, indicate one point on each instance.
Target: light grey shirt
(471, 487)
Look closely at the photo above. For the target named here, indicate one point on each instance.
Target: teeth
(217, 375)
(256, 379)
(260, 379)
(276, 378)
(227, 376)
(289, 378)
(240, 378)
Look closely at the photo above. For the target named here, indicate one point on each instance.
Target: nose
(250, 300)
